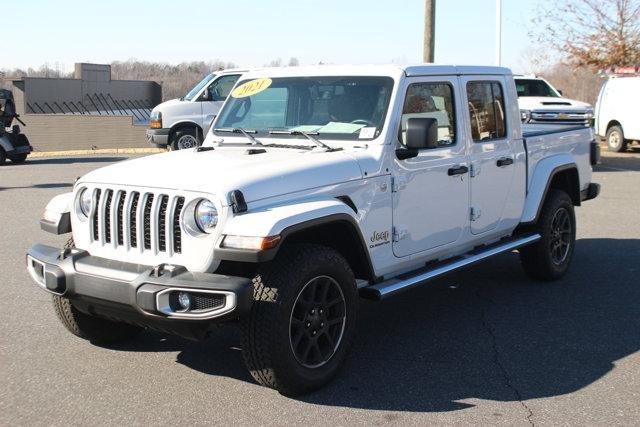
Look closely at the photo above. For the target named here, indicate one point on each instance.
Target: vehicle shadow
(619, 162)
(41, 186)
(66, 160)
(487, 333)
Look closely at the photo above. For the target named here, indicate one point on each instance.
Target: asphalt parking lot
(483, 346)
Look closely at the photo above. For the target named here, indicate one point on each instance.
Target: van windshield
(197, 88)
(535, 87)
(332, 107)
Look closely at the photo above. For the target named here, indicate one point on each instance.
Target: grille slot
(121, 218)
(107, 216)
(146, 221)
(177, 233)
(96, 213)
(133, 229)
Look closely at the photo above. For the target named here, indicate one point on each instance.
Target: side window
(430, 100)
(220, 89)
(486, 111)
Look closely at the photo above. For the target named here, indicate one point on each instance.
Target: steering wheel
(363, 122)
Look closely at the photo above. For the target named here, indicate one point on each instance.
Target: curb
(36, 154)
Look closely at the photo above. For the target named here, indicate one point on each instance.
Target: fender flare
(541, 180)
(6, 144)
(56, 218)
(285, 220)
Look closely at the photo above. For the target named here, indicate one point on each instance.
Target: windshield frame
(385, 81)
(553, 92)
(193, 93)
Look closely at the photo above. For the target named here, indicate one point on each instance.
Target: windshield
(535, 87)
(193, 92)
(332, 107)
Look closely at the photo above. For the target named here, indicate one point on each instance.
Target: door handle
(458, 170)
(504, 161)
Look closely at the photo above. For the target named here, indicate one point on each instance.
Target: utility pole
(429, 31)
(498, 32)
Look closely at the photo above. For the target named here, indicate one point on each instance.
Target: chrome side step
(393, 286)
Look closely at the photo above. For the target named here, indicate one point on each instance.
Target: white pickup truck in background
(540, 102)
(315, 185)
(181, 123)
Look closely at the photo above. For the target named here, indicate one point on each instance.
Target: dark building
(90, 111)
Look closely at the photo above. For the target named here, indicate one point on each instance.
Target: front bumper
(158, 137)
(137, 293)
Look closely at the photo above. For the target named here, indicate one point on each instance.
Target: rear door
(491, 150)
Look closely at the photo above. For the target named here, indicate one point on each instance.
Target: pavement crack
(496, 356)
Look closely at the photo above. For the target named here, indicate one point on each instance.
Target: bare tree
(293, 62)
(592, 33)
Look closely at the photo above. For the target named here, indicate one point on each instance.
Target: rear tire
(184, 138)
(615, 139)
(19, 158)
(89, 327)
(549, 258)
(302, 321)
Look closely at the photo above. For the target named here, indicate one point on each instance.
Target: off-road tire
(89, 327)
(185, 132)
(19, 158)
(538, 259)
(615, 139)
(267, 343)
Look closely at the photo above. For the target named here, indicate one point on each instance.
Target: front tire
(89, 327)
(615, 139)
(3, 156)
(549, 258)
(19, 158)
(303, 319)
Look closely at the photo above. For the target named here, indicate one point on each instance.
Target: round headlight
(84, 202)
(206, 215)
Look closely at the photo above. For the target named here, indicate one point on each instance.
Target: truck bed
(536, 129)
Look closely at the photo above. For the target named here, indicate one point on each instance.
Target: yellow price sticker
(251, 88)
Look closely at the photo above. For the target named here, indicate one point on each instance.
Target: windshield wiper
(308, 135)
(245, 132)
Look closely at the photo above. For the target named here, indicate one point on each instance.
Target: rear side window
(430, 100)
(486, 111)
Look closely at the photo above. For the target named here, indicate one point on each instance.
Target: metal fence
(97, 104)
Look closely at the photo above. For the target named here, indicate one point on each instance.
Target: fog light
(184, 299)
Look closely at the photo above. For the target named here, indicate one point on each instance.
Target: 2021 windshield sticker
(251, 88)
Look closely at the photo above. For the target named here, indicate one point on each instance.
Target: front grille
(147, 221)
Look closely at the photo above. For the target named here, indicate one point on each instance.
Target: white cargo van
(181, 123)
(618, 111)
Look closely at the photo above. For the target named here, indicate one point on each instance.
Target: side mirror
(560, 92)
(422, 132)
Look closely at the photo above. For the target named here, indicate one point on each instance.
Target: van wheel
(184, 138)
(549, 258)
(615, 139)
(302, 321)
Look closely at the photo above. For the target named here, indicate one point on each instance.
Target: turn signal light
(250, 243)
(155, 125)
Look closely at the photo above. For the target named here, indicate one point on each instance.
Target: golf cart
(13, 144)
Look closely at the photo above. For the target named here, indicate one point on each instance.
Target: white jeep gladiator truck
(315, 186)
(181, 123)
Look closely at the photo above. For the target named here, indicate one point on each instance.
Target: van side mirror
(560, 92)
(422, 132)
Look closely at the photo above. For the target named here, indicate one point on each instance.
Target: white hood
(552, 104)
(220, 171)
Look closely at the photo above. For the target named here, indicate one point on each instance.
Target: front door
(215, 95)
(491, 153)
(431, 191)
